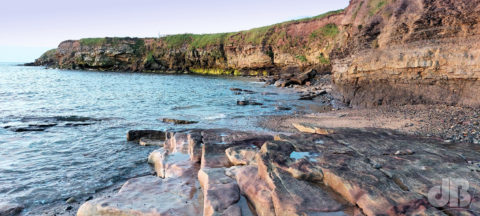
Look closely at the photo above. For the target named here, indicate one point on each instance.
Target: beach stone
(221, 193)
(238, 90)
(178, 121)
(10, 209)
(280, 83)
(310, 128)
(248, 102)
(71, 200)
(134, 135)
(283, 108)
(242, 155)
(150, 196)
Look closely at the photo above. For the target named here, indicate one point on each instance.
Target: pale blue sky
(29, 27)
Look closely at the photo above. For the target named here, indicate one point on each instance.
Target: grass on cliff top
(48, 54)
(253, 36)
(316, 17)
(194, 40)
(107, 40)
(92, 41)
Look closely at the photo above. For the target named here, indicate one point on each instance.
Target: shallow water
(85, 116)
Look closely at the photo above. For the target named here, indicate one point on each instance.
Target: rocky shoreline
(339, 172)
(235, 168)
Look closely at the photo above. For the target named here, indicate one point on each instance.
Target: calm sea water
(87, 115)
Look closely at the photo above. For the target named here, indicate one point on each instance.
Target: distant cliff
(301, 43)
(379, 51)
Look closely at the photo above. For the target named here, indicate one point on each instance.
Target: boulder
(283, 82)
(242, 155)
(150, 196)
(134, 135)
(10, 209)
(178, 121)
(302, 78)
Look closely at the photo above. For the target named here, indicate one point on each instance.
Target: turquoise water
(86, 116)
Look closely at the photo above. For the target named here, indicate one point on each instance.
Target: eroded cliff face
(299, 44)
(379, 51)
(410, 52)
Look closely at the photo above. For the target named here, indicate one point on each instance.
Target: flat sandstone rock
(150, 196)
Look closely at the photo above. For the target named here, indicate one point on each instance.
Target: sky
(30, 27)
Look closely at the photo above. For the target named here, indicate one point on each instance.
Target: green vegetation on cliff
(256, 36)
(192, 41)
(375, 6)
(92, 41)
(211, 53)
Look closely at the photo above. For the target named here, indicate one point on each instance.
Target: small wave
(214, 117)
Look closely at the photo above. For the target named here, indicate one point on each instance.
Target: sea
(63, 132)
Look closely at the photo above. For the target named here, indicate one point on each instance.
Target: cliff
(301, 43)
(409, 52)
(379, 52)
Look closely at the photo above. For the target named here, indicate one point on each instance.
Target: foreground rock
(10, 209)
(149, 196)
(216, 142)
(221, 193)
(242, 155)
(348, 172)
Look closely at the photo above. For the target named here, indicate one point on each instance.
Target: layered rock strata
(347, 172)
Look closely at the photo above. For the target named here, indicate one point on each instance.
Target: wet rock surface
(178, 121)
(348, 172)
(248, 102)
(10, 209)
(34, 123)
(134, 135)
